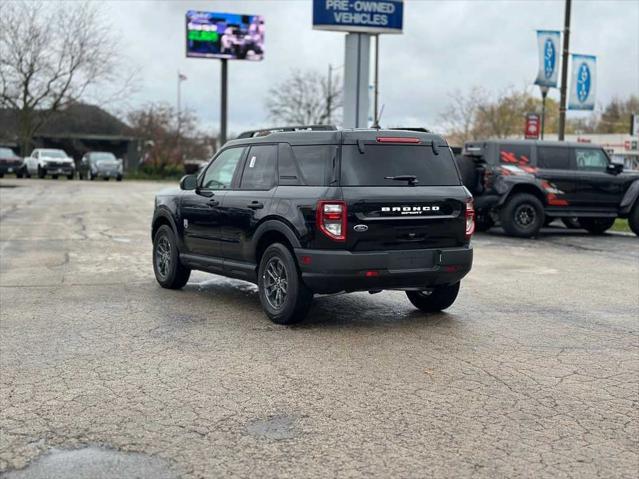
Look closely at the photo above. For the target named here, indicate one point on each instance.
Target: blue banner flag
(548, 44)
(583, 82)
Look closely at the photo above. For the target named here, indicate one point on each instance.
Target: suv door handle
(213, 203)
(255, 205)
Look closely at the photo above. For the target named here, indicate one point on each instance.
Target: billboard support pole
(376, 96)
(564, 72)
(223, 101)
(356, 71)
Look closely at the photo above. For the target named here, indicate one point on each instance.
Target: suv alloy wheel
(284, 297)
(169, 272)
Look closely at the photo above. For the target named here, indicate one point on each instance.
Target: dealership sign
(363, 16)
(532, 126)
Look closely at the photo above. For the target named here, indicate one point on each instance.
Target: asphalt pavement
(534, 371)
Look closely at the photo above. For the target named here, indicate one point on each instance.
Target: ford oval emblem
(583, 82)
(360, 228)
(549, 58)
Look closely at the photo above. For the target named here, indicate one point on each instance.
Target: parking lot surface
(534, 372)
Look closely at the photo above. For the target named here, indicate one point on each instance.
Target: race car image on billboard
(224, 35)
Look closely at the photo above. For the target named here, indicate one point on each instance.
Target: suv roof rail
(277, 129)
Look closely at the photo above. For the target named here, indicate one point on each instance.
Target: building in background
(622, 148)
(78, 129)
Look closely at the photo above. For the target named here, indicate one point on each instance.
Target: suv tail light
(331, 219)
(470, 219)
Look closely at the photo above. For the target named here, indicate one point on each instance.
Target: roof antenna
(379, 117)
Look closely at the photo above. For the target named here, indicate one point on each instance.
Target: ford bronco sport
(322, 212)
(525, 184)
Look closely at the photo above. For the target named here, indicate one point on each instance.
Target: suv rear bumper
(332, 271)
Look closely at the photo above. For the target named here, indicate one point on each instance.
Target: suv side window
(315, 163)
(515, 154)
(554, 157)
(260, 168)
(591, 159)
(219, 174)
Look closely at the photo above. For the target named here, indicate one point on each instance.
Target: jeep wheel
(169, 272)
(55, 177)
(41, 173)
(596, 226)
(523, 215)
(284, 297)
(441, 297)
(71, 176)
(633, 219)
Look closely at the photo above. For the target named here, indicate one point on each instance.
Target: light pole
(564, 72)
(544, 94)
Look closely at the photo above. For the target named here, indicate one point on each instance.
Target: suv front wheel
(169, 272)
(523, 215)
(440, 297)
(284, 297)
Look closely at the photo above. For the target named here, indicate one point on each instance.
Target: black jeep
(309, 212)
(526, 184)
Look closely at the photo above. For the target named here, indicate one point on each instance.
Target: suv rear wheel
(441, 297)
(284, 297)
(169, 272)
(596, 226)
(523, 215)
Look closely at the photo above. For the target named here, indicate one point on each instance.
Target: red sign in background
(533, 126)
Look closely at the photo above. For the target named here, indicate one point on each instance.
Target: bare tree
(460, 115)
(52, 55)
(305, 98)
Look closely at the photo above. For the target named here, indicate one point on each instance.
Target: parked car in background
(10, 162)
(523, 184)
(101, 164)
(49, 161)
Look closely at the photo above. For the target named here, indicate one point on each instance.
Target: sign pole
(356, 71)
(223, 101)
(376, 97)
(544, 94)
(564, 72)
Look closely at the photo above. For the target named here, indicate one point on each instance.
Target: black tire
(41, 173)
(71, 176)
(523, 215)
(1, 175)
(571, 223)
(106, 178)
(633, 219)
(441, 297)
(55, 177)
(483, 221)
(119, 178)
(91, 176)
(284, 297)
(169, 272)
(19, 174)
(596, 226)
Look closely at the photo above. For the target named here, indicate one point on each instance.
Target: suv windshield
(53, 154)
(380, 161)
(103, 157)
(6, 153)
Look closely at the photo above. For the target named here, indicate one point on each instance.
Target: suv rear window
(378, 161)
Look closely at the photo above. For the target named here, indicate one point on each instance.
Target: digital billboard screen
(224, 35)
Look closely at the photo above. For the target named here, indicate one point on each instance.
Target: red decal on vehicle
(554, 201)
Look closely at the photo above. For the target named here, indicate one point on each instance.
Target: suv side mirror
(188, 182)
(614, 168)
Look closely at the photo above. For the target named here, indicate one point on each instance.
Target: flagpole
(564, 72)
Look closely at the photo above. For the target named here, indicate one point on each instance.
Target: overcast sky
(446, 45)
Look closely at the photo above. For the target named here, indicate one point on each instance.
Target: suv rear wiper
(412, 179)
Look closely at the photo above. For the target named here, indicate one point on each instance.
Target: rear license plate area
(411, 260)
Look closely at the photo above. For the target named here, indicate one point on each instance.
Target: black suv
(310, 212)
(526, 184)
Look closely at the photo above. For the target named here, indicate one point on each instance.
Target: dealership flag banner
(583, 82)
(548, 43)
